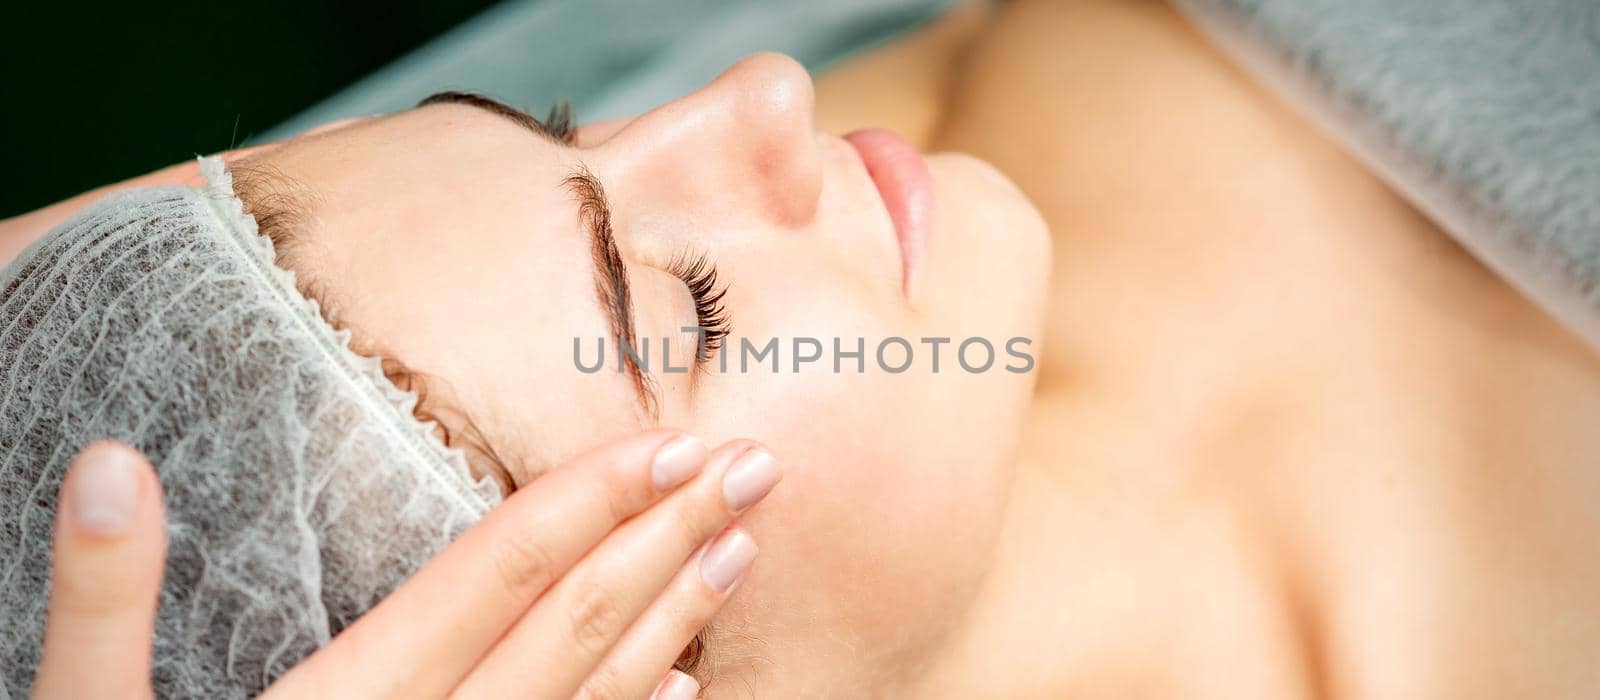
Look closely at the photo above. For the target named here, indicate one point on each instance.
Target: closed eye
(711, 316)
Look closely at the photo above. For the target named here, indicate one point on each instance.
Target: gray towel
(1484, 113)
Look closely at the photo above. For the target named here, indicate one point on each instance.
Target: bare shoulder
(1242, 310)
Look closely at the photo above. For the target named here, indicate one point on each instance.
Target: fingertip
(724, 563)
(677, 686)
(622, 457)
(108, 449)
(105, 577)
(641, 444)
(104, 489)
(677, 460)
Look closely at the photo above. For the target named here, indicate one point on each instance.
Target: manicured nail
(105, 490)
(676, 461)
(749, 479)
(727, 560)
(676, 686)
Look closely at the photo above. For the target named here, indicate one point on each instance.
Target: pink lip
(902, 179)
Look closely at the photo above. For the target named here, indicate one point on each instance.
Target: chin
(979, 204)
(981, 183)
(990, 254)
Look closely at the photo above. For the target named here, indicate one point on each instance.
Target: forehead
(443, 145)
(444, 237)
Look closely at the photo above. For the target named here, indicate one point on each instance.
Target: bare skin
(1289, 439)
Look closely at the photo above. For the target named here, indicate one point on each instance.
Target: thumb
(110, 547)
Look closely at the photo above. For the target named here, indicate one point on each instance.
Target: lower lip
(902, 179)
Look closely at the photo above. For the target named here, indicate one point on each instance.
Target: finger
(110, 547)
(426, 636)
(677, 686)
(559, 642)
(654, 642)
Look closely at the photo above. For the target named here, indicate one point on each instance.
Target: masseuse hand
(587, 582)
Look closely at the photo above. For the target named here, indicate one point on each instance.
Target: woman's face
(450, 238)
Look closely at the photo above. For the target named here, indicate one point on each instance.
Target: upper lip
(900, 176)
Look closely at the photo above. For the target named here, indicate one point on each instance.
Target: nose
(743, 145)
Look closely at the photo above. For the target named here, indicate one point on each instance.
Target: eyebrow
(611, 285)
(557, 127)
(611, 281)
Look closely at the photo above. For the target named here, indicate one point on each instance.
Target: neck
(1186, 551)
(1015, 637)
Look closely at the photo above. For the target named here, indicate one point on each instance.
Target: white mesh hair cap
(300, 489)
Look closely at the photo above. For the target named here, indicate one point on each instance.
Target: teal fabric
(613, 58)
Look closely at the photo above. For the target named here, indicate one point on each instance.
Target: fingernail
(749, 479)
(676, 461)
(105, 490)
(676, 686)
(727, 560)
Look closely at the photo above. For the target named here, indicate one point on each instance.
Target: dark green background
(94, 93)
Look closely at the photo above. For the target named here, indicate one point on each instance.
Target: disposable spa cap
(300, 489)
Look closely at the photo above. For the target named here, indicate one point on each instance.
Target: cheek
(895, 484)
(881, 530)
(894, 487)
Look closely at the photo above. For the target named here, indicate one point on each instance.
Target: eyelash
(696, 270)
(700, 275)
